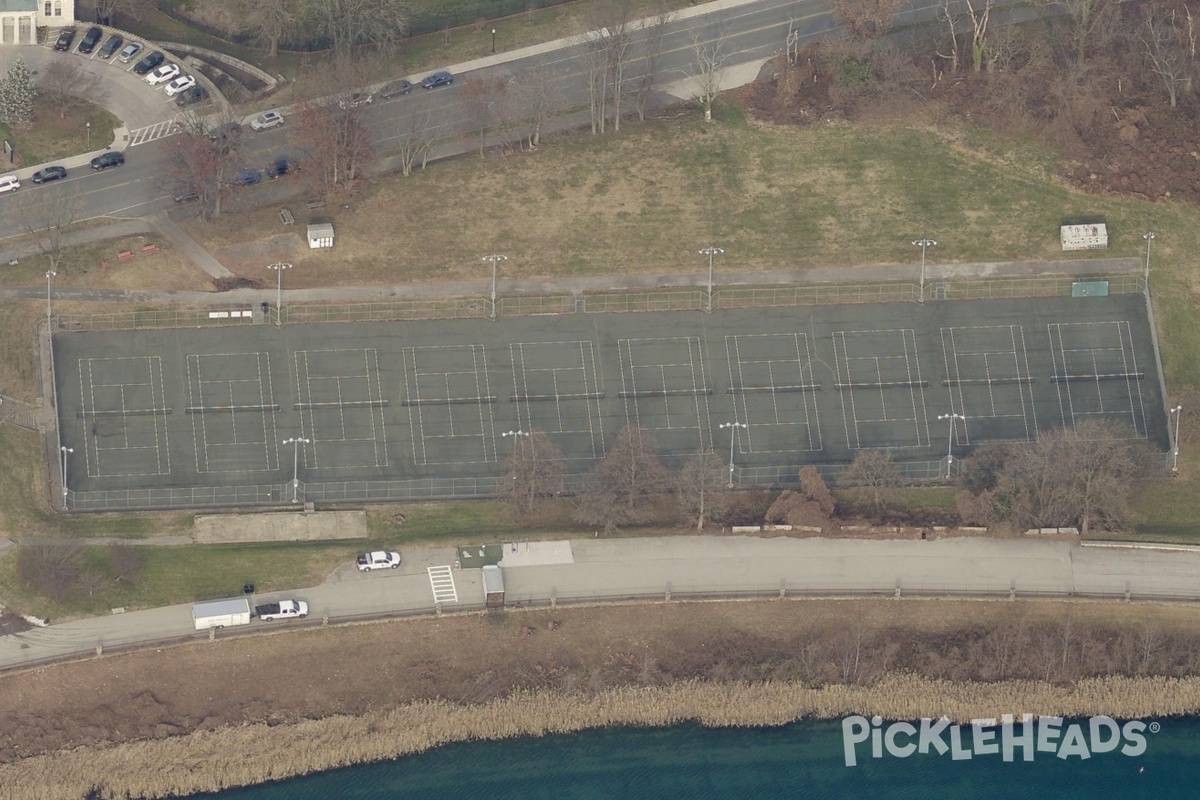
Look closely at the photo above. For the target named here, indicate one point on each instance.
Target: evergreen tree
(16, 95)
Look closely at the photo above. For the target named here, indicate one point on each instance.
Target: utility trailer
(221, 613)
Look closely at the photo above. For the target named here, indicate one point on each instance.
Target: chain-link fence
(158, 318)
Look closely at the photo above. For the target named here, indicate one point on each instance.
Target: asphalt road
(651, 568)
(750, 33)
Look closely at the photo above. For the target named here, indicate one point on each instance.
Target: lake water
(803, 760)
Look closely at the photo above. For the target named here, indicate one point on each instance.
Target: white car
(164, 73)
(180, 84)
(378, 559)
(9, 183)
(266, 121)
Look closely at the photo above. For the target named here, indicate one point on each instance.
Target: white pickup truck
(284, 609)
(378, 559)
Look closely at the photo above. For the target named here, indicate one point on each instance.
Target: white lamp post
(950, 442)
(64, 450)
(1175, 448)
(88, 125)
(495, 258)
(279, 268)
(1149, 237)
(49, 274)
(297, 441)
(732, 439)
(923, 243)
(711, 252)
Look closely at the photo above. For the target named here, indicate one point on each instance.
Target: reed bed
(256, 753)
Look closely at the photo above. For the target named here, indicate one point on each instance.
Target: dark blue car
(437, 79)
(247, 177)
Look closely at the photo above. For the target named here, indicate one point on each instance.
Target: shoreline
(219, 714)
(236, 756)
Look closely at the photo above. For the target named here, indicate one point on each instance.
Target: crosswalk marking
(441, 579)
(158, 130)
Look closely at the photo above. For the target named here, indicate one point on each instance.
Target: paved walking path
(673, 567)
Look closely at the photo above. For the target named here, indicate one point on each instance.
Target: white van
(9, 183)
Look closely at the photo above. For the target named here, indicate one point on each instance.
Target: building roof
(18, 5)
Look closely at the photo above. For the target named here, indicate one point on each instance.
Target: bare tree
(107, 10)
(51, 570)
(595, 64)
(269, 21)
(951, 19)
(536, 93)
(69, 87)
(613, 19)
(1081, 477)
(199, 167)
(653, 33)
(536, 468)
(350, 23)
(1167, 51)
(874, 477)
(979, 28)
(623, 482)
(700, 487)
(332, 132)
(47, 217)
(483, 99)
(1085, 21)
(869, 19)
(706, 71)
(125, 562)
(416, 142)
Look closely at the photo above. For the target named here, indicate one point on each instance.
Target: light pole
(49, 274)
(64, 450)
(1175, 449)
(297, 441)
(88, 125)
(279, 267)
(1149, 237)
(493, 41)
(923, 243)
(711, 252)
(495, 258)
(732, 439)
(950, 442)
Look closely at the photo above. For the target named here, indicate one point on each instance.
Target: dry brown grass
(200, 718)
(168, 269)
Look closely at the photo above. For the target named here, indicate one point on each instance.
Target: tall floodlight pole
(950, 442)
(711, 252)
(493, 41)
(64, 450)
(1175, 448)
(297, 441)
(49, 274)
(495, 258)
(732, 439)
(279, 268)
(923, 243)
(1149, 237)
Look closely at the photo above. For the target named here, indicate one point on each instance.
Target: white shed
(320, 235)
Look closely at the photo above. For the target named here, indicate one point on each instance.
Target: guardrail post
(782, 589)
(437, 610)
(554, 599)
(897, 595)
(667, 595)
(324, 620)
(212, 634)
(99, 650)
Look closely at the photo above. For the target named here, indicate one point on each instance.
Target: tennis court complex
(399, 410)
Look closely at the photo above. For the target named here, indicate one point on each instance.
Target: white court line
(658, 368)
(418, 395)
(338, 374)
(566, 369)
(742, 351)
(441, 581)
(882, 340)
(158, 430)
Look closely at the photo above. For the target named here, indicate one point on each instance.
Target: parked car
(281, 166)
(266, 121)
(180, 84)
(90, 39)
(377, 559)
(247, 177)
(284, 609)
(9, 183)
(395, 89)
(111, 45)
(65, 37)
(148, 63)
(130, 52)
(356, 100)
(195, 94)
(163, 74)
(49, 174)
(442, 78)
(110, 159)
